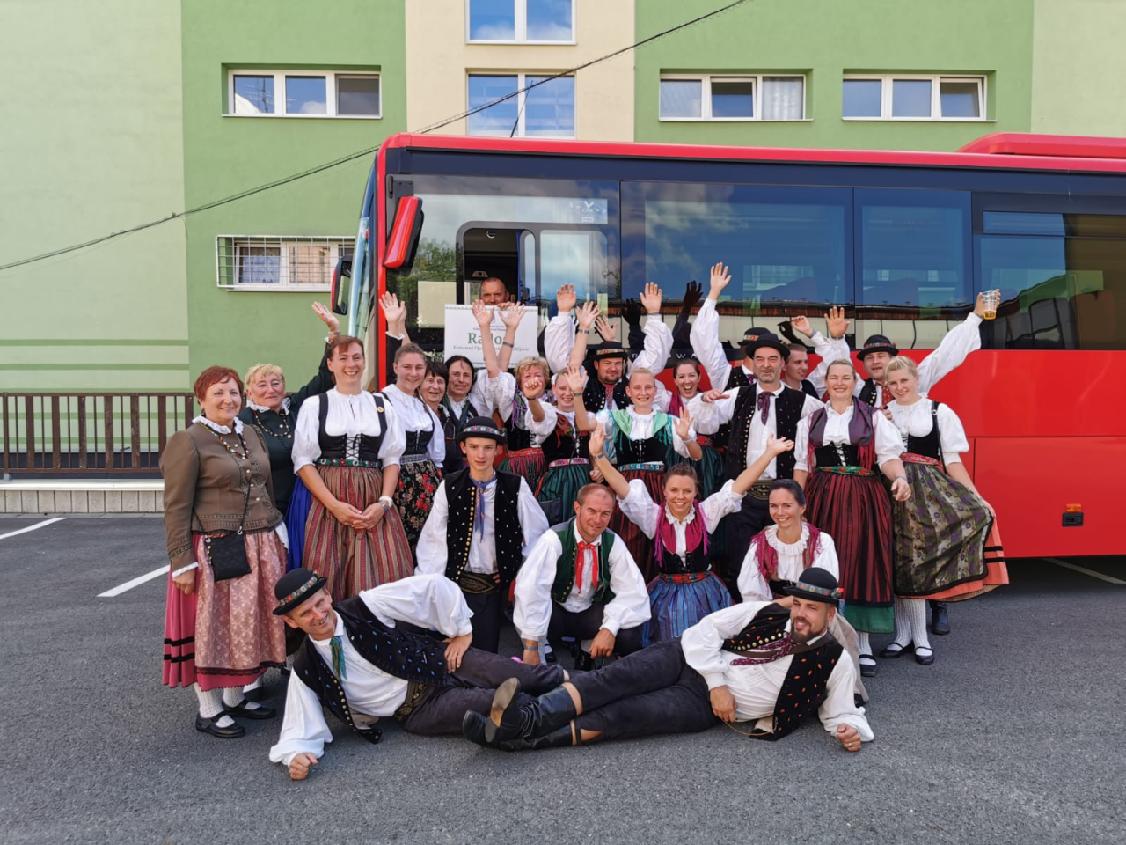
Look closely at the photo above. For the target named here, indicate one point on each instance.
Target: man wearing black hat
(481, 526)
(361, 665)
(608, 372)
(770, 663)
(757, 411)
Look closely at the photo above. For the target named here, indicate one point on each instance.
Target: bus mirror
(339, 295)
(405, 231)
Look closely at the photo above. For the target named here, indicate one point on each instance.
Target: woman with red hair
(226, 545)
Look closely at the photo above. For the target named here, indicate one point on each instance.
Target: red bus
(903, 240)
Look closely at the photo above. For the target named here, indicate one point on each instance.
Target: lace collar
(688, 520)
(219, 429)
(791, 548)
(254, 406)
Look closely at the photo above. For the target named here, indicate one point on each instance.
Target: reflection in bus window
(1061, 292)
(786, 247)
(576, 258)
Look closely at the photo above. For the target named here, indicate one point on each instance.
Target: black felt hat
(609, 349)
(754, 333)
(294, 588)
(816, 584)
(766, 340)
(877, 343)
(481, 427)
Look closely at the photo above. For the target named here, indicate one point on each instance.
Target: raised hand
(693, 293)
(720, 278)
(631, 312)
(482, 314)
(778, 445)
(604, 327)
(511, 313)
(565, 298)
(575, 379)
(651, 298)
(394, 311)
(329, 319)
(802, 325)
(587, 314)
(597, 442)
(836, 322)
(683, 424)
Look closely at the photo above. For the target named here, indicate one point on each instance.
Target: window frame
(887, 86)
(332, 93)
(337, 242)
(706, 80)
(520, 27)
(521, 111)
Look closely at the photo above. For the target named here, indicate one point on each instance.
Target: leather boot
(558, 738)
(536, 718)
(940, 618)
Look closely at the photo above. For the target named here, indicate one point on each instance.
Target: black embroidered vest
(930, 444)
(788, 406)
(807, 679)
(594, 394)
(402, 654)
(563, 444)
(868, 392)
(508, 535)
(336, 448)
(695, 560)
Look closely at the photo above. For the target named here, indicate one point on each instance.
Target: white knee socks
(211, 705)
(903, 622)
(916, 612)
(864, 646)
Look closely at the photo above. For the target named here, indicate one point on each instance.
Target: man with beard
(759, 662)
(756, 411)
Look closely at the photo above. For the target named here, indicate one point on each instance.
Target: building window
(303, 94)
(913, 98)
(545, 111)
(264, 262)
(520, 21)
(749, 97)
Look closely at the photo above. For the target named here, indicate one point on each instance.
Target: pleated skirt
(527, 463)
(677, 606)
(353, 560)
(640, 546)
(856, 511)
(559, 488)
(225, 634)
(710, 470)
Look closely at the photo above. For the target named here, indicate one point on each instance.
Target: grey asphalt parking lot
(1014, 735)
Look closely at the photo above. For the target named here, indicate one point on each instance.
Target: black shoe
(473, 726)
(924, 659)
(209, 726)
(896, 650)
(940, 618)
(535, 718)
(256, 713)
(584, 662)
(867, 670)
(558, 738)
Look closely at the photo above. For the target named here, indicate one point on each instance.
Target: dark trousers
(488, 615)
(653, 691)
(584, 626)
(738, 528)
(472, 686)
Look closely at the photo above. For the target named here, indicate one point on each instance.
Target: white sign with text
(463, 334)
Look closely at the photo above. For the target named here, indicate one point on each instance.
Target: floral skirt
(225, 634)
(559, 488)
(677, 604)
(940, 538)
(527, 463)
(640, 547)
(414, 497)
(350, 559)
(856, 511)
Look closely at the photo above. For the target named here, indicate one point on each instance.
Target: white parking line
(31, 527)
(1110, 579)
(136, 582)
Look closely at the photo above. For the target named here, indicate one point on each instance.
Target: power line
(344, 159)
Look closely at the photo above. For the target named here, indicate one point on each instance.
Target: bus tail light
(403, 240)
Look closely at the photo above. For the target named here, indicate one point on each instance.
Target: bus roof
(1000, 150)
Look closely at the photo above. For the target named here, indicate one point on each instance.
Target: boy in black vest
(482, 524)
(366, 658)
(581, 581)
(772, 664)
(756, 411)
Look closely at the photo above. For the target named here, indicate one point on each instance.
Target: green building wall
(826, 40)
(91, 142)
(225, 155)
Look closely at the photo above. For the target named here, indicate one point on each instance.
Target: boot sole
(502, 699)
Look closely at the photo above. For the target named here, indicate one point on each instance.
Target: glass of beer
(991, 299)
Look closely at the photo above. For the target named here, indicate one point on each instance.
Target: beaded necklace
(284, 433)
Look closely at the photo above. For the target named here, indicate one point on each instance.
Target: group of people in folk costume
(705, 538)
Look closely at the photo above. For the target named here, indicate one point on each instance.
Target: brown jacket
(200, 474)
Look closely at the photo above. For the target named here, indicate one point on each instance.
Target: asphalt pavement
(1013, 735)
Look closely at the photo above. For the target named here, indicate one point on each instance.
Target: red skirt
(225, 634)
(528, 463)
(640, 547)
(855, 510)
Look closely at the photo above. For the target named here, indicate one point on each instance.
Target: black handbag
(227, 551)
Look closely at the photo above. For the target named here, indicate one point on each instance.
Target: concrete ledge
(76, 496)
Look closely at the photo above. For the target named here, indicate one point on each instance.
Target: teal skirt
(558, 489)
(710, 470)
